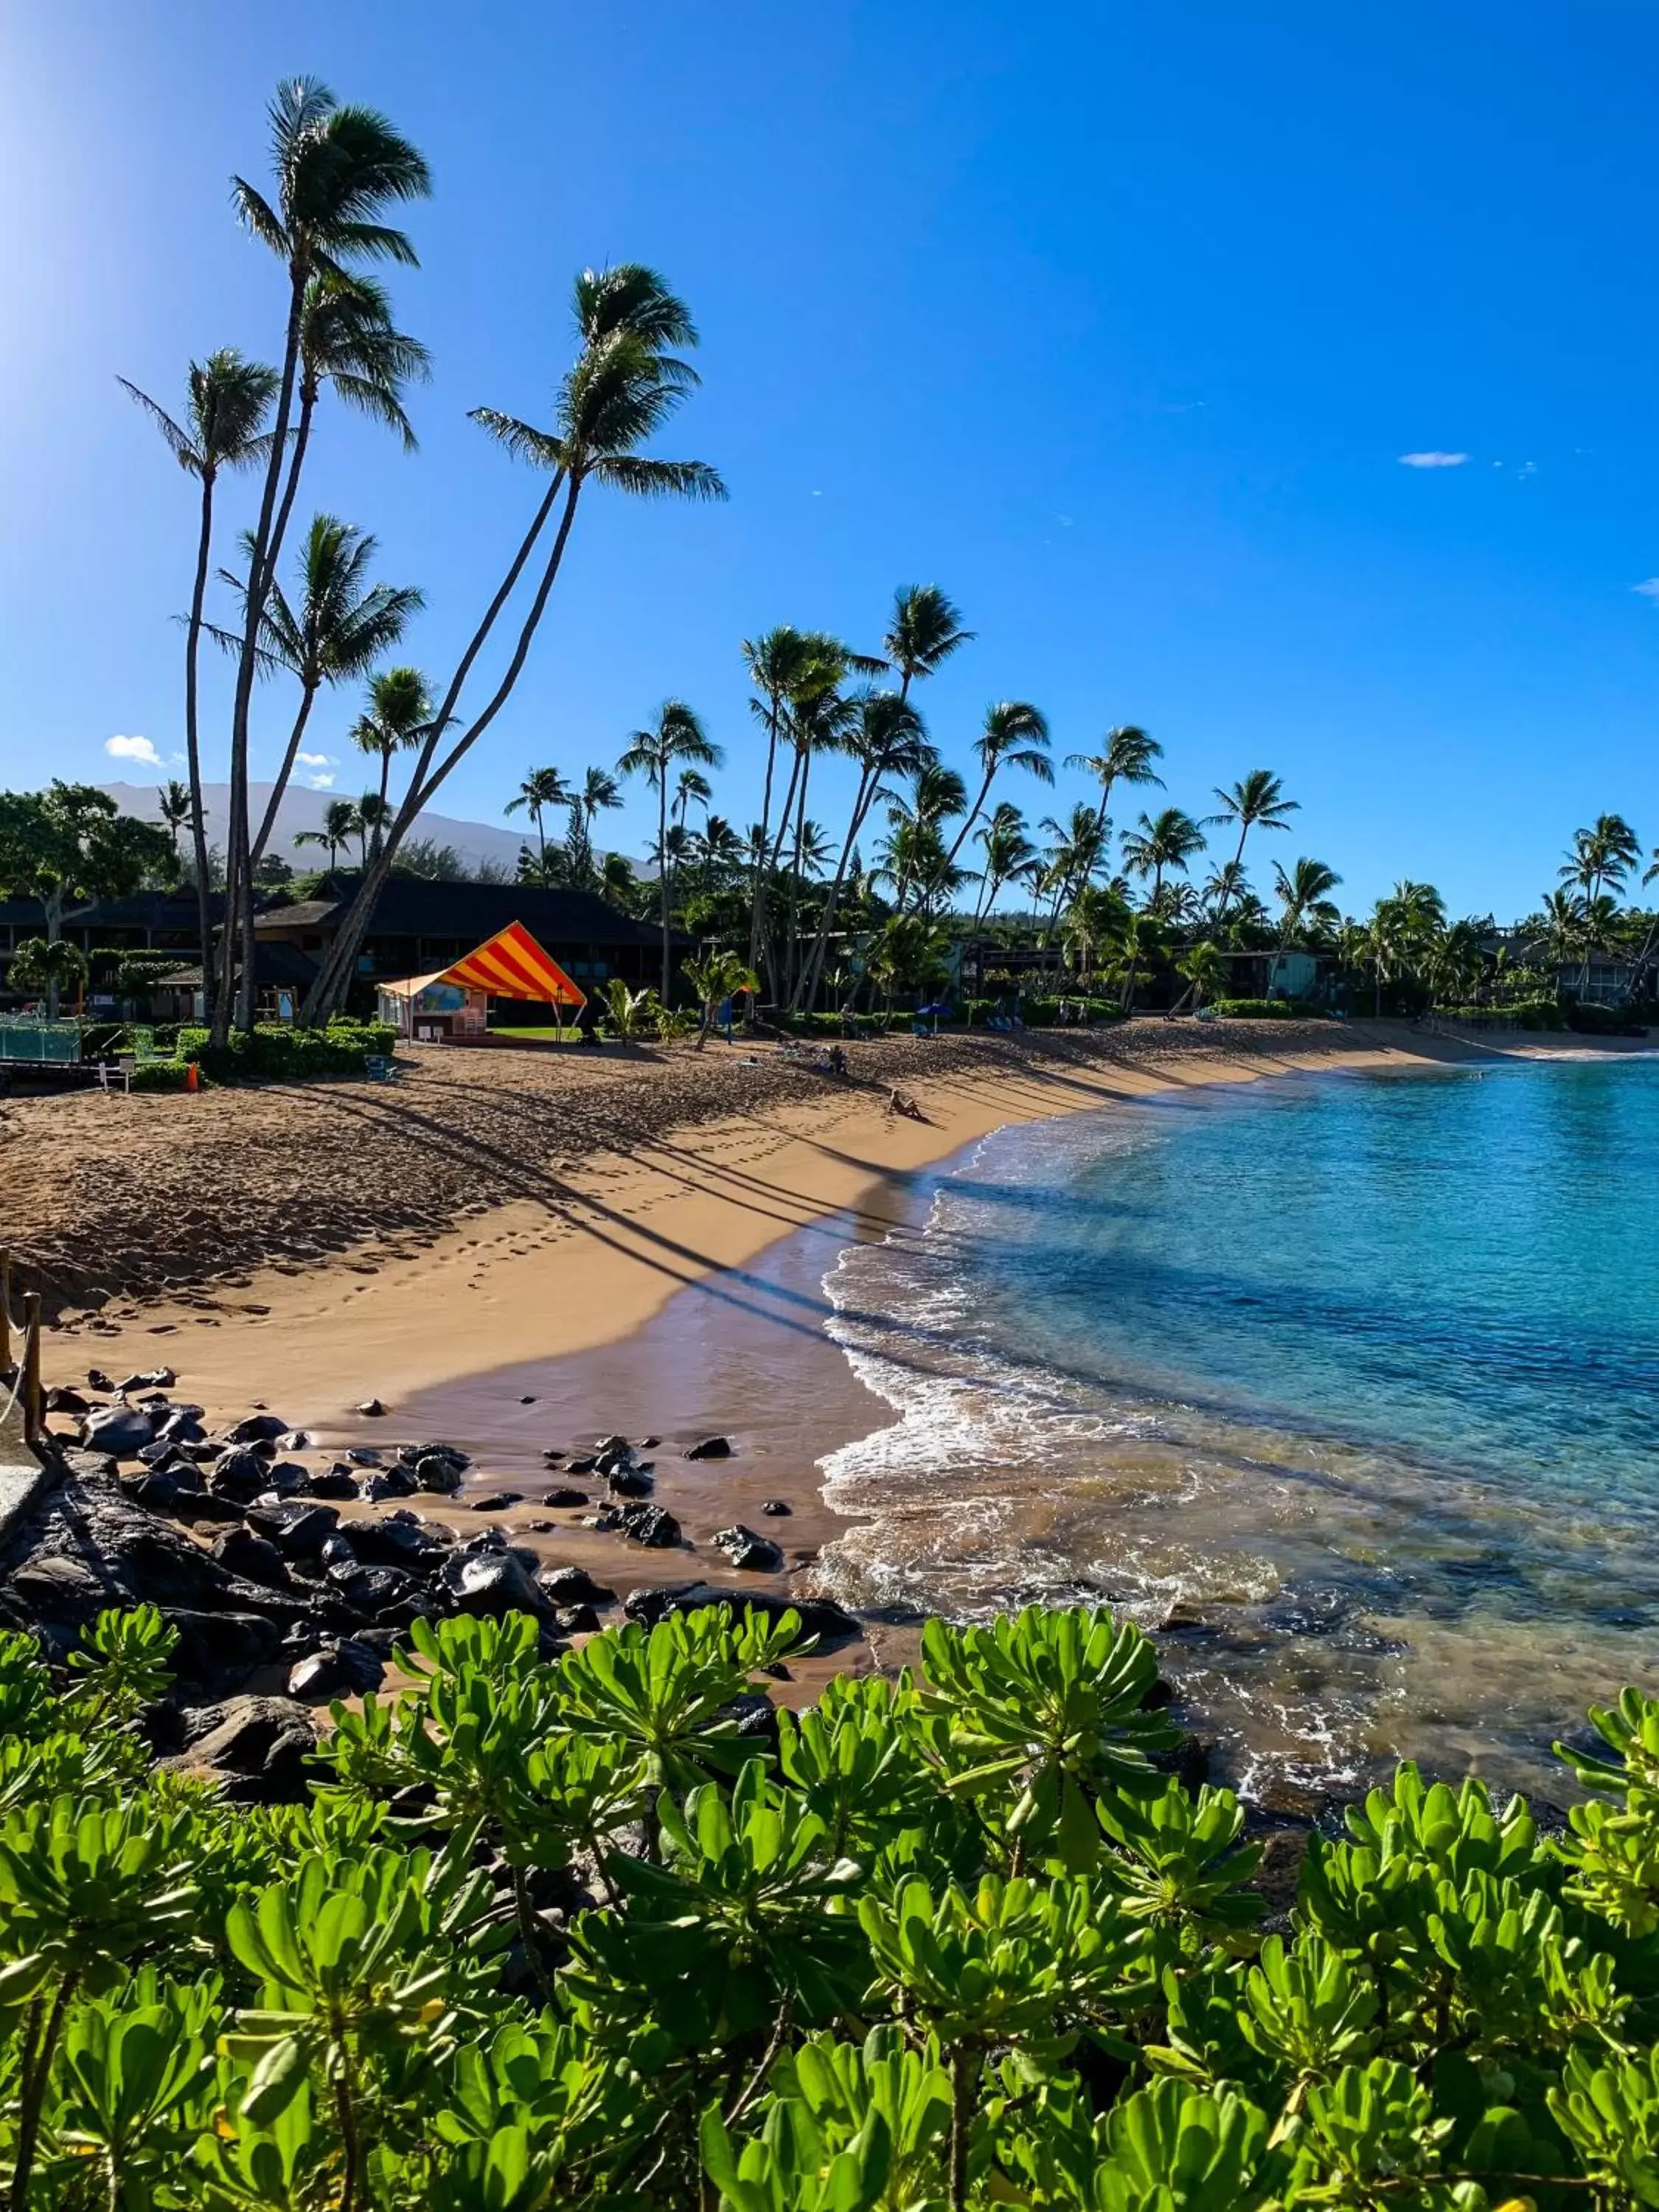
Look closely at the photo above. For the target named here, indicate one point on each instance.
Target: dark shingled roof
(409, 906)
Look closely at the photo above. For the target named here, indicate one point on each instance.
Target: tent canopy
(511, 965)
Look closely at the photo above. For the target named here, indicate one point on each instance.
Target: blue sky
(1116, 321)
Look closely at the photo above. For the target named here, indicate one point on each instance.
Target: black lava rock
(755, 1554)
(255, 1558)
(573, 1586)
(711, 1448)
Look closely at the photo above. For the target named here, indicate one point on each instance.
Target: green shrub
(960, 1943)
(277, 1053)
(1268, 1010)
(160, 1075)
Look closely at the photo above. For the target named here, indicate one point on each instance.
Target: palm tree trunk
(1100, 811)
(238, 891)
(972, 817)
(378, 825)
(307, 699)
(792, 947)
(334, 978)
(541, 837)
(758, 887)
(192, 743)
(865, 793)
(778, 972)
(662, 873)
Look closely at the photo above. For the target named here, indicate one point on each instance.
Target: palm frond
(646, 478)
(256, 215)
(177, 442)
(525, 443)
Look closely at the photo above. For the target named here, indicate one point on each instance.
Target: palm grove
(810, 907)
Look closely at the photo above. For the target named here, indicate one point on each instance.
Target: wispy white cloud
(319, 780)
(1648, 589)
(1433, 460)
(133, 749)
(316, 760)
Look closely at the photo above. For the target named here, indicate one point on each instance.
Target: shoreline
(558, 1321)
(680, 1205)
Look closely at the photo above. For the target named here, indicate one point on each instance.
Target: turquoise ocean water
(1351, 1383)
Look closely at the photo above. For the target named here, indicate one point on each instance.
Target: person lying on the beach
(900, 1102)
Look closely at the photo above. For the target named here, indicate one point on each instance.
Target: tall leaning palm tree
(337, 170)
(1256, 803)
(1015, 735)
(336, 628)
(542, 787)
(1126, 756)
(624, 386)
(675, 740)
(395, 720)
(228, 400)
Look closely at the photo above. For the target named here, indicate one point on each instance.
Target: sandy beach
(552, 1315)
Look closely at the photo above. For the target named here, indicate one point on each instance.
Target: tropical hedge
(605, 1928)
(278, 1053)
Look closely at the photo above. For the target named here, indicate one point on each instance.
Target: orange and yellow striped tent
(512, 965)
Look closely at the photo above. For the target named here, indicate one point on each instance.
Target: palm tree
(1138, 942)
(723, 850)
(1095, 920)
(676, 738)
(1602, 858)
(621, 389)
(1075, 856)
(176, 807)
(598, 791)
(227, 399)
(886, 739)
(1203, 966)
(1010, 856)
(338, 170)
(1258, 802)
(717, 977)
(910, 952)
(925, 629)
(1126, 756)
(349, 341)
(1166, 840)
(774, 661)
(691, 788)
(820, 720)
(916, 849)
(1305, 906)
(627, 1013)
(341, 823)
(1015, 735)
(399, 708)
(542, 787)
(369, 818)
(336, 631)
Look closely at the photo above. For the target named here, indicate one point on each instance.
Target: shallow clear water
(1351, 1382)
